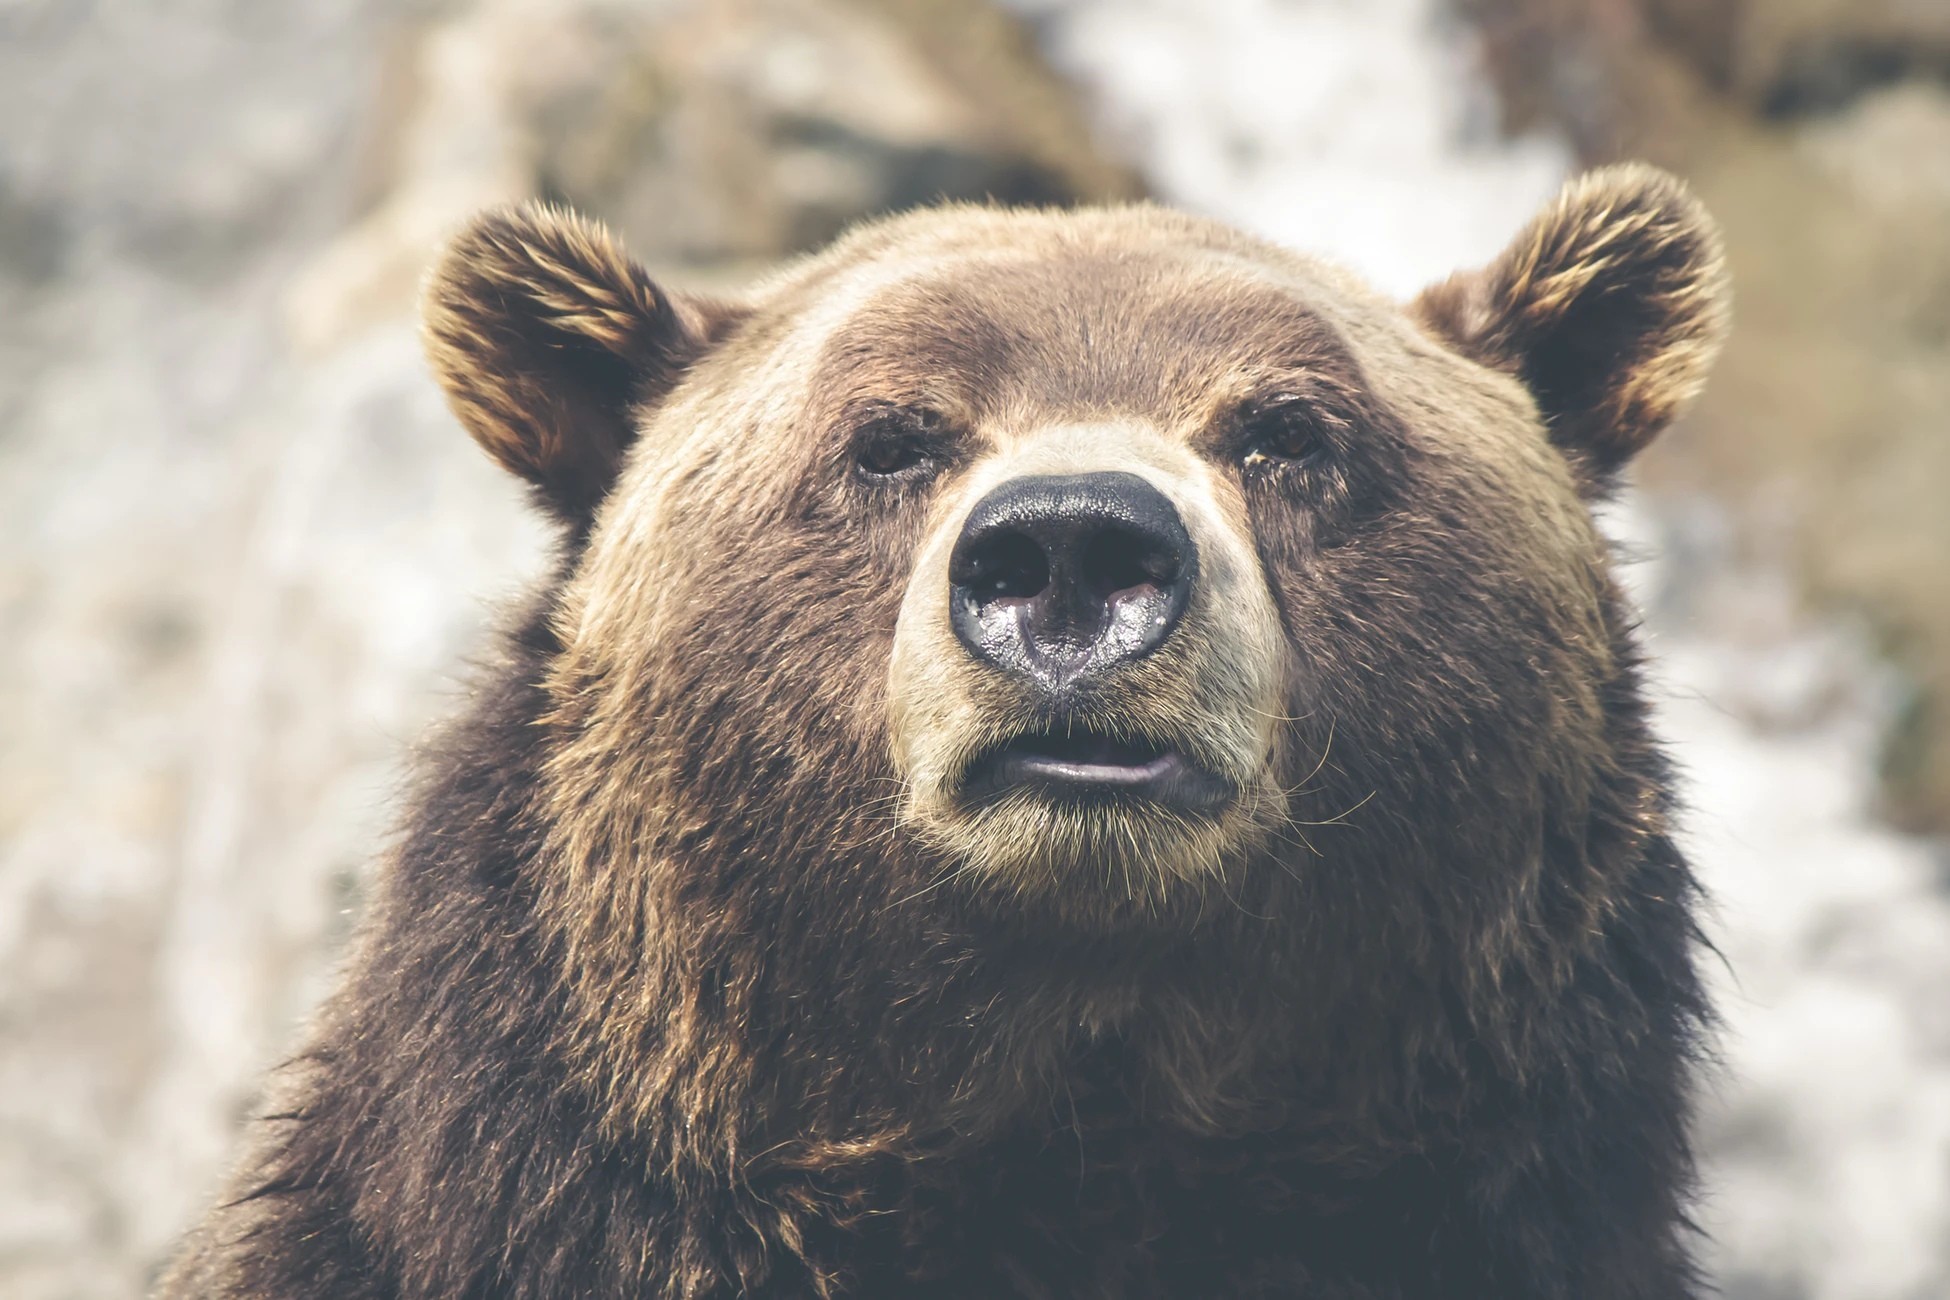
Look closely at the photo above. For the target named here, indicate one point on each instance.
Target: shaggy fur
(684, 982)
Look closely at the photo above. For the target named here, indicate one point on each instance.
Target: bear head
(1097, 571)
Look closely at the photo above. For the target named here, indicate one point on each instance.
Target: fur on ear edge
(547, 338)
(1610, 307)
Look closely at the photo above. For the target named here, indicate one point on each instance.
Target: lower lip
(1167, 779)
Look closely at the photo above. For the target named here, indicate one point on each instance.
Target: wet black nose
(1065, 577)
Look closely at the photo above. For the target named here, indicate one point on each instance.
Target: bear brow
(1073, 333)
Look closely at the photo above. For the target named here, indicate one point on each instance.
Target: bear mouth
(1080, 765)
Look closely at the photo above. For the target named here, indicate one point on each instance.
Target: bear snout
(1085, 671)
(1060, 580)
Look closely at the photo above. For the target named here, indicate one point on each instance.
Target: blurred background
(245, 555)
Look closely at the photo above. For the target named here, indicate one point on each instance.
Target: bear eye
(897, 446)
(1279, 429)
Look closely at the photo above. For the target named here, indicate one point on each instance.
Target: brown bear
(1069, 754)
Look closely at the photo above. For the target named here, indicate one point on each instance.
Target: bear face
(1095, 560)
(1070, 754)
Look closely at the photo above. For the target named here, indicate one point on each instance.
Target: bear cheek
(1476, 655)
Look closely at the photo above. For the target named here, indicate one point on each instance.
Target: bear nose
(1061, 578)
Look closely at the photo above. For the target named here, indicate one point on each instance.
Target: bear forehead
(1131, 310)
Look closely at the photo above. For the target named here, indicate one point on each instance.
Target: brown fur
(688, 979)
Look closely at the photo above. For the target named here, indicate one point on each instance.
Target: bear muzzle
(1058, 582)
(1087, 666)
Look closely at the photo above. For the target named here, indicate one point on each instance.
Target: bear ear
(549, 340)
(1610, 307)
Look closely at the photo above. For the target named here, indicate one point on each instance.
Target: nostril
(1117, 560)
(1005, 566)
(1060, 578)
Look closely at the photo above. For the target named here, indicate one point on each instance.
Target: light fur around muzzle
(1211, 691)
